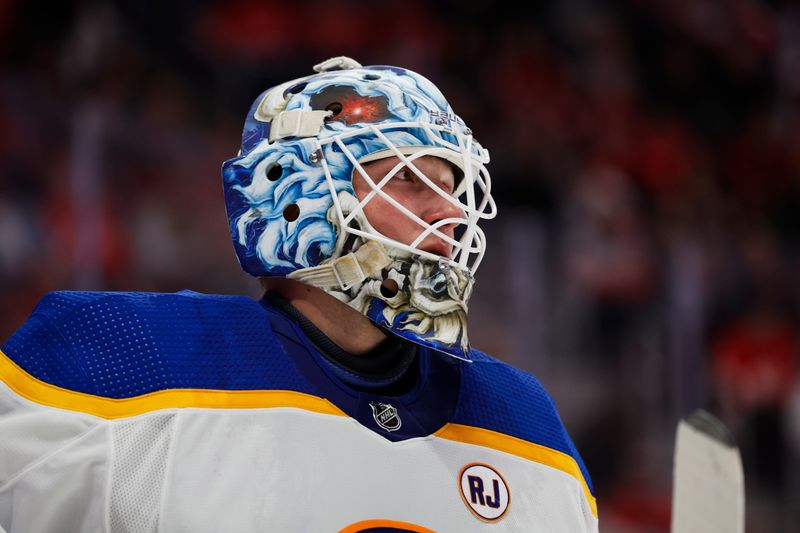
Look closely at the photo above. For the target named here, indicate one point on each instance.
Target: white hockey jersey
(133, 412)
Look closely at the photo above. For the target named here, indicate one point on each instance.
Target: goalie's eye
(445, 182)
(404, 174)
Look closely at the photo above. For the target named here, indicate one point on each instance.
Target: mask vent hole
(291, 213)
(389, 288)
(371, 77)
(335, 108)
(294, 89)
(274, 172)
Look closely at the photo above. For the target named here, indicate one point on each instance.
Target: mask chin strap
(346, 271)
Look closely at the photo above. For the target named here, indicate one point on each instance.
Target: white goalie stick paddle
(708, 480)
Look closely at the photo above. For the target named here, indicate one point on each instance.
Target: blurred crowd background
(645, 158)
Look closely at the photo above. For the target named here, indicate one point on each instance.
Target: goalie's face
(406, 187)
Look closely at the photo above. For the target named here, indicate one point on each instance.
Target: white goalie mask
(293, 210)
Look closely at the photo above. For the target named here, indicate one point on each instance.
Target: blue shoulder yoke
(124, 344)
(499, 397)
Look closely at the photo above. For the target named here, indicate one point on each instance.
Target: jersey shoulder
(124, 344)
(501, 398)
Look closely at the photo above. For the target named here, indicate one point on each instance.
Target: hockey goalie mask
(293, 210)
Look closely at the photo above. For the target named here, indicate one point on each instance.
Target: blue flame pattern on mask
(266, 243)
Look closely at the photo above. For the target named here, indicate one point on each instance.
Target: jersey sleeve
(52, 461)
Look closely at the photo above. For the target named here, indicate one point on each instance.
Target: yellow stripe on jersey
(43, 393)
(521, 448)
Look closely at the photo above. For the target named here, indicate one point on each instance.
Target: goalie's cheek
(391, 221)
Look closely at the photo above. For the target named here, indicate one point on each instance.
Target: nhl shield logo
(385, 415)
